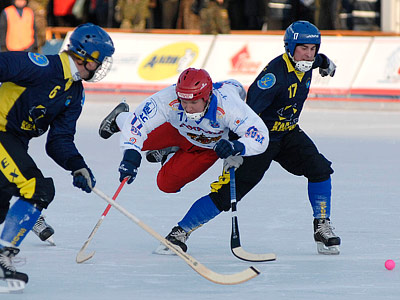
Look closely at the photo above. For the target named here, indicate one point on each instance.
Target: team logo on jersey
(136, 131)
(220, 112)
(174, 104)
(308, 83)
(214, 124)
(253, 133)
(131, 141)
(68, 101)
(267, 81)
(239, 122)
(149, 110)
(38, 59)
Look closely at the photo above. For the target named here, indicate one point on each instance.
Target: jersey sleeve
(149, 115)
(243, 121)
(24, 68)
(60, 144)
(262, 91)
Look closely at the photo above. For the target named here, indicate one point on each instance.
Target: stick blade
(242, 254)
(229, 279)
(82, 257)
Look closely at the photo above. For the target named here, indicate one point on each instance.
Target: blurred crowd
(208, 16)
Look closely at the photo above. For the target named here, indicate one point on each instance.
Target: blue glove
(129, 165)
(327, 67)
(225, 148)
(84, 179)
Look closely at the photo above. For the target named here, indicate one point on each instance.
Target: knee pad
(44, 193)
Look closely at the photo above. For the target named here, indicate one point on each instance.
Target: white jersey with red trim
(227, 111)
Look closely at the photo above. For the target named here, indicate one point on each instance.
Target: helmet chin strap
(91, 72)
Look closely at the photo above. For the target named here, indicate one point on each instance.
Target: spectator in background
(39, 8)
(366, 15)
(17, 28)
(277, 14)
(101, 12)
(237, 18)
(327, 14)
(169, 11)
(132, 14)
(300, 10)
(214, 18)
(254, 11)
(62, 11)
(187, 18)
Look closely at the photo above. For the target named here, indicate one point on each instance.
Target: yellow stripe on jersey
(9, 94)
(225, 178)
(67, 70)
(290, 67)
(11, 171)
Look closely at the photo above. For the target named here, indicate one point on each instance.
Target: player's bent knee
(221, 202)
(44, 193)
(168, 184)
(167, 187)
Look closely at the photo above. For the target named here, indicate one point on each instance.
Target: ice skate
(15, 280)
(327, 241)
(43, 230)
(108, 126)
(178, 237)
(155, 156)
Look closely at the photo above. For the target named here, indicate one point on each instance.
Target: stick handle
(233, 189)
(115, 195)
(82, 256)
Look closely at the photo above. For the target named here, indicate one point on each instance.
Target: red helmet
(194, 84)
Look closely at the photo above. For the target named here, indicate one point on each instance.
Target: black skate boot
(16, 280)
(178, 237)
(108, 126)
(155, 156)
(327, 241)
(43, 230)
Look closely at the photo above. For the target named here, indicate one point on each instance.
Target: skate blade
(327, 250)
(50, 241)
(14, 286)
(163, 250)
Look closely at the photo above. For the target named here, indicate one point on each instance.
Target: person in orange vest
(17, 28)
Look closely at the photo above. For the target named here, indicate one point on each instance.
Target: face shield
(101, 71)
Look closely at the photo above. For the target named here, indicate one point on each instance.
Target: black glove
(327, 67)
(129, 165)
(84, 179)
(225, 148)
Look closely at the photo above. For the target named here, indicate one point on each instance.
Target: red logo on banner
(242, 64)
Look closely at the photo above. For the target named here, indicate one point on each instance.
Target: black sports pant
(19, 176)
(295, 152)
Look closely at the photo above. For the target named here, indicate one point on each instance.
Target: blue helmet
(301, 32)
(91, 43)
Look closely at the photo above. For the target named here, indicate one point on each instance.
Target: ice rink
(363, 145)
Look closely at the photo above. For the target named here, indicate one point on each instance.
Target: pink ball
(390, 264)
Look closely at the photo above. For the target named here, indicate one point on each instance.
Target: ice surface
(275, 217)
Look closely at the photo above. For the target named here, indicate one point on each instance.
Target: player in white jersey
(190, 120)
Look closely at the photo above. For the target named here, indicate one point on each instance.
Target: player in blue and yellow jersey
(278, 95)
(39, 94)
